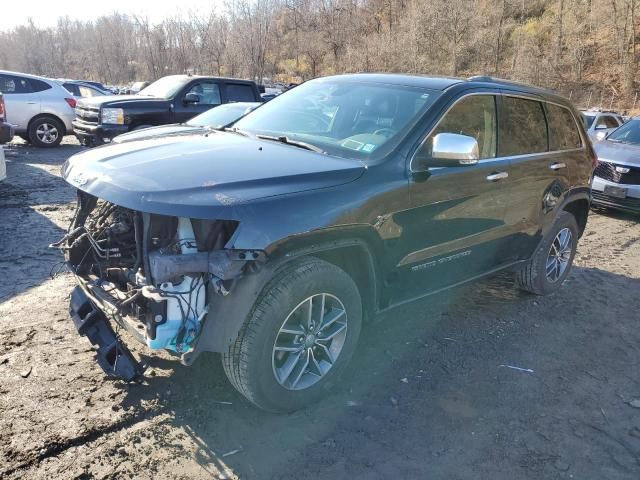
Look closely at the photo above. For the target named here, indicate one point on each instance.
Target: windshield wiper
(236, 130)
(288, 141)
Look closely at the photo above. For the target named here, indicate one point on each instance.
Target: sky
(45, 12)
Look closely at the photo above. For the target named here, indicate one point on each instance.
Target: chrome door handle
(497, 176)
(557, 165)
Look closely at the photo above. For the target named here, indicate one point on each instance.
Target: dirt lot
(430, 397)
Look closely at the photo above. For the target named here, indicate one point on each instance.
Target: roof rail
(488, 78)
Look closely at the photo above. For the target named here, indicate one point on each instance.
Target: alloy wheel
(309, 341)
(559, 255)
(47, 133)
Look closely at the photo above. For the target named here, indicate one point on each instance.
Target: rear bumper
(95, 135)
(630, 203)
(6, 132)
(111, 354)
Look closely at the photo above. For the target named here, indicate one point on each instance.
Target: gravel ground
(430, 394)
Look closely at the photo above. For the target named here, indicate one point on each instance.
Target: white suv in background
(599, 124)
(40, 109)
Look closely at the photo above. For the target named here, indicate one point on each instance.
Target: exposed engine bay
(154, 275)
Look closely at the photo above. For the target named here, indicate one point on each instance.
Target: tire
(535, 277)
(252, 363)
(46, 132)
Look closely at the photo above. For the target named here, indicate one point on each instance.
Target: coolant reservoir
(186, 302)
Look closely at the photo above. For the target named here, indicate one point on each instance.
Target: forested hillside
(583, 48)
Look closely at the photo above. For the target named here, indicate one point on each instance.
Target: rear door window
(563, 131)
(237, 92)
(524, 128)
(10, 84)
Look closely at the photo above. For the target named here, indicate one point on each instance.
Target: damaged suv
(271, 241)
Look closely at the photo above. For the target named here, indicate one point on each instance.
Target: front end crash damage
(154, 275)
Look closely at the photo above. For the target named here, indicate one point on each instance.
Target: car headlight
(112, 115)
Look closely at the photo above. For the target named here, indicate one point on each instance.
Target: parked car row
(271, 242)
(42, 110)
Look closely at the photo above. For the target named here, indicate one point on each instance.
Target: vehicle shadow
(35, 208)
(425, 381)
(616, 214)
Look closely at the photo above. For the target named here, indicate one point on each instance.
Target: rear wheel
(46, 132)
(553, 258)
(299, 336)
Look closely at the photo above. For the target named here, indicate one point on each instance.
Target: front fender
(227, 314)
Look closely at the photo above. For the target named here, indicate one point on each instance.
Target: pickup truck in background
(171, 99)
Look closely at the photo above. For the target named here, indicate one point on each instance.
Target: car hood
(117, 100)
(198, 175)
(161, 131)
(618, 152)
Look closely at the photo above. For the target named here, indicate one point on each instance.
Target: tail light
(2, 110)
(71, 102)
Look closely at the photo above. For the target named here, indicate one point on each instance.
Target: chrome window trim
(498, 158)
(422, 142)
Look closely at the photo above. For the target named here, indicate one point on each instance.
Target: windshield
(342, 117)
(166, 87)
(588, 120)
(223, 115)
(627, 133)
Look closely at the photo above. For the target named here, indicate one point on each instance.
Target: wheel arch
(578, 205)
(44, 115)
(227, 313)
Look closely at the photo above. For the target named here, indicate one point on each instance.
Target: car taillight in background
(71, 102)
(2, 109)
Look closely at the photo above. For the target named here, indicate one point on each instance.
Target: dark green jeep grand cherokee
(271, 241)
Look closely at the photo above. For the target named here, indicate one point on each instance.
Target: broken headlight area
(154, 275)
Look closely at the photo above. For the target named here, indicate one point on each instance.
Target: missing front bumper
(112, 355)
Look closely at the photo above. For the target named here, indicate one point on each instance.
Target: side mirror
(449, 150)
(191, 98)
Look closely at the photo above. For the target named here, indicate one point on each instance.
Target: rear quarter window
(524, 128)
(38, 85)
(563, 131)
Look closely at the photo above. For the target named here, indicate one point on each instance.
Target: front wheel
(46, 132)
(299, 336)
(553, 258)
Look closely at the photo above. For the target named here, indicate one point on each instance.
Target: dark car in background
(81, 89)
(6, 129)
(616, 180)
(6, 135)
(215, 118)
(171, 99)
(272, 242)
